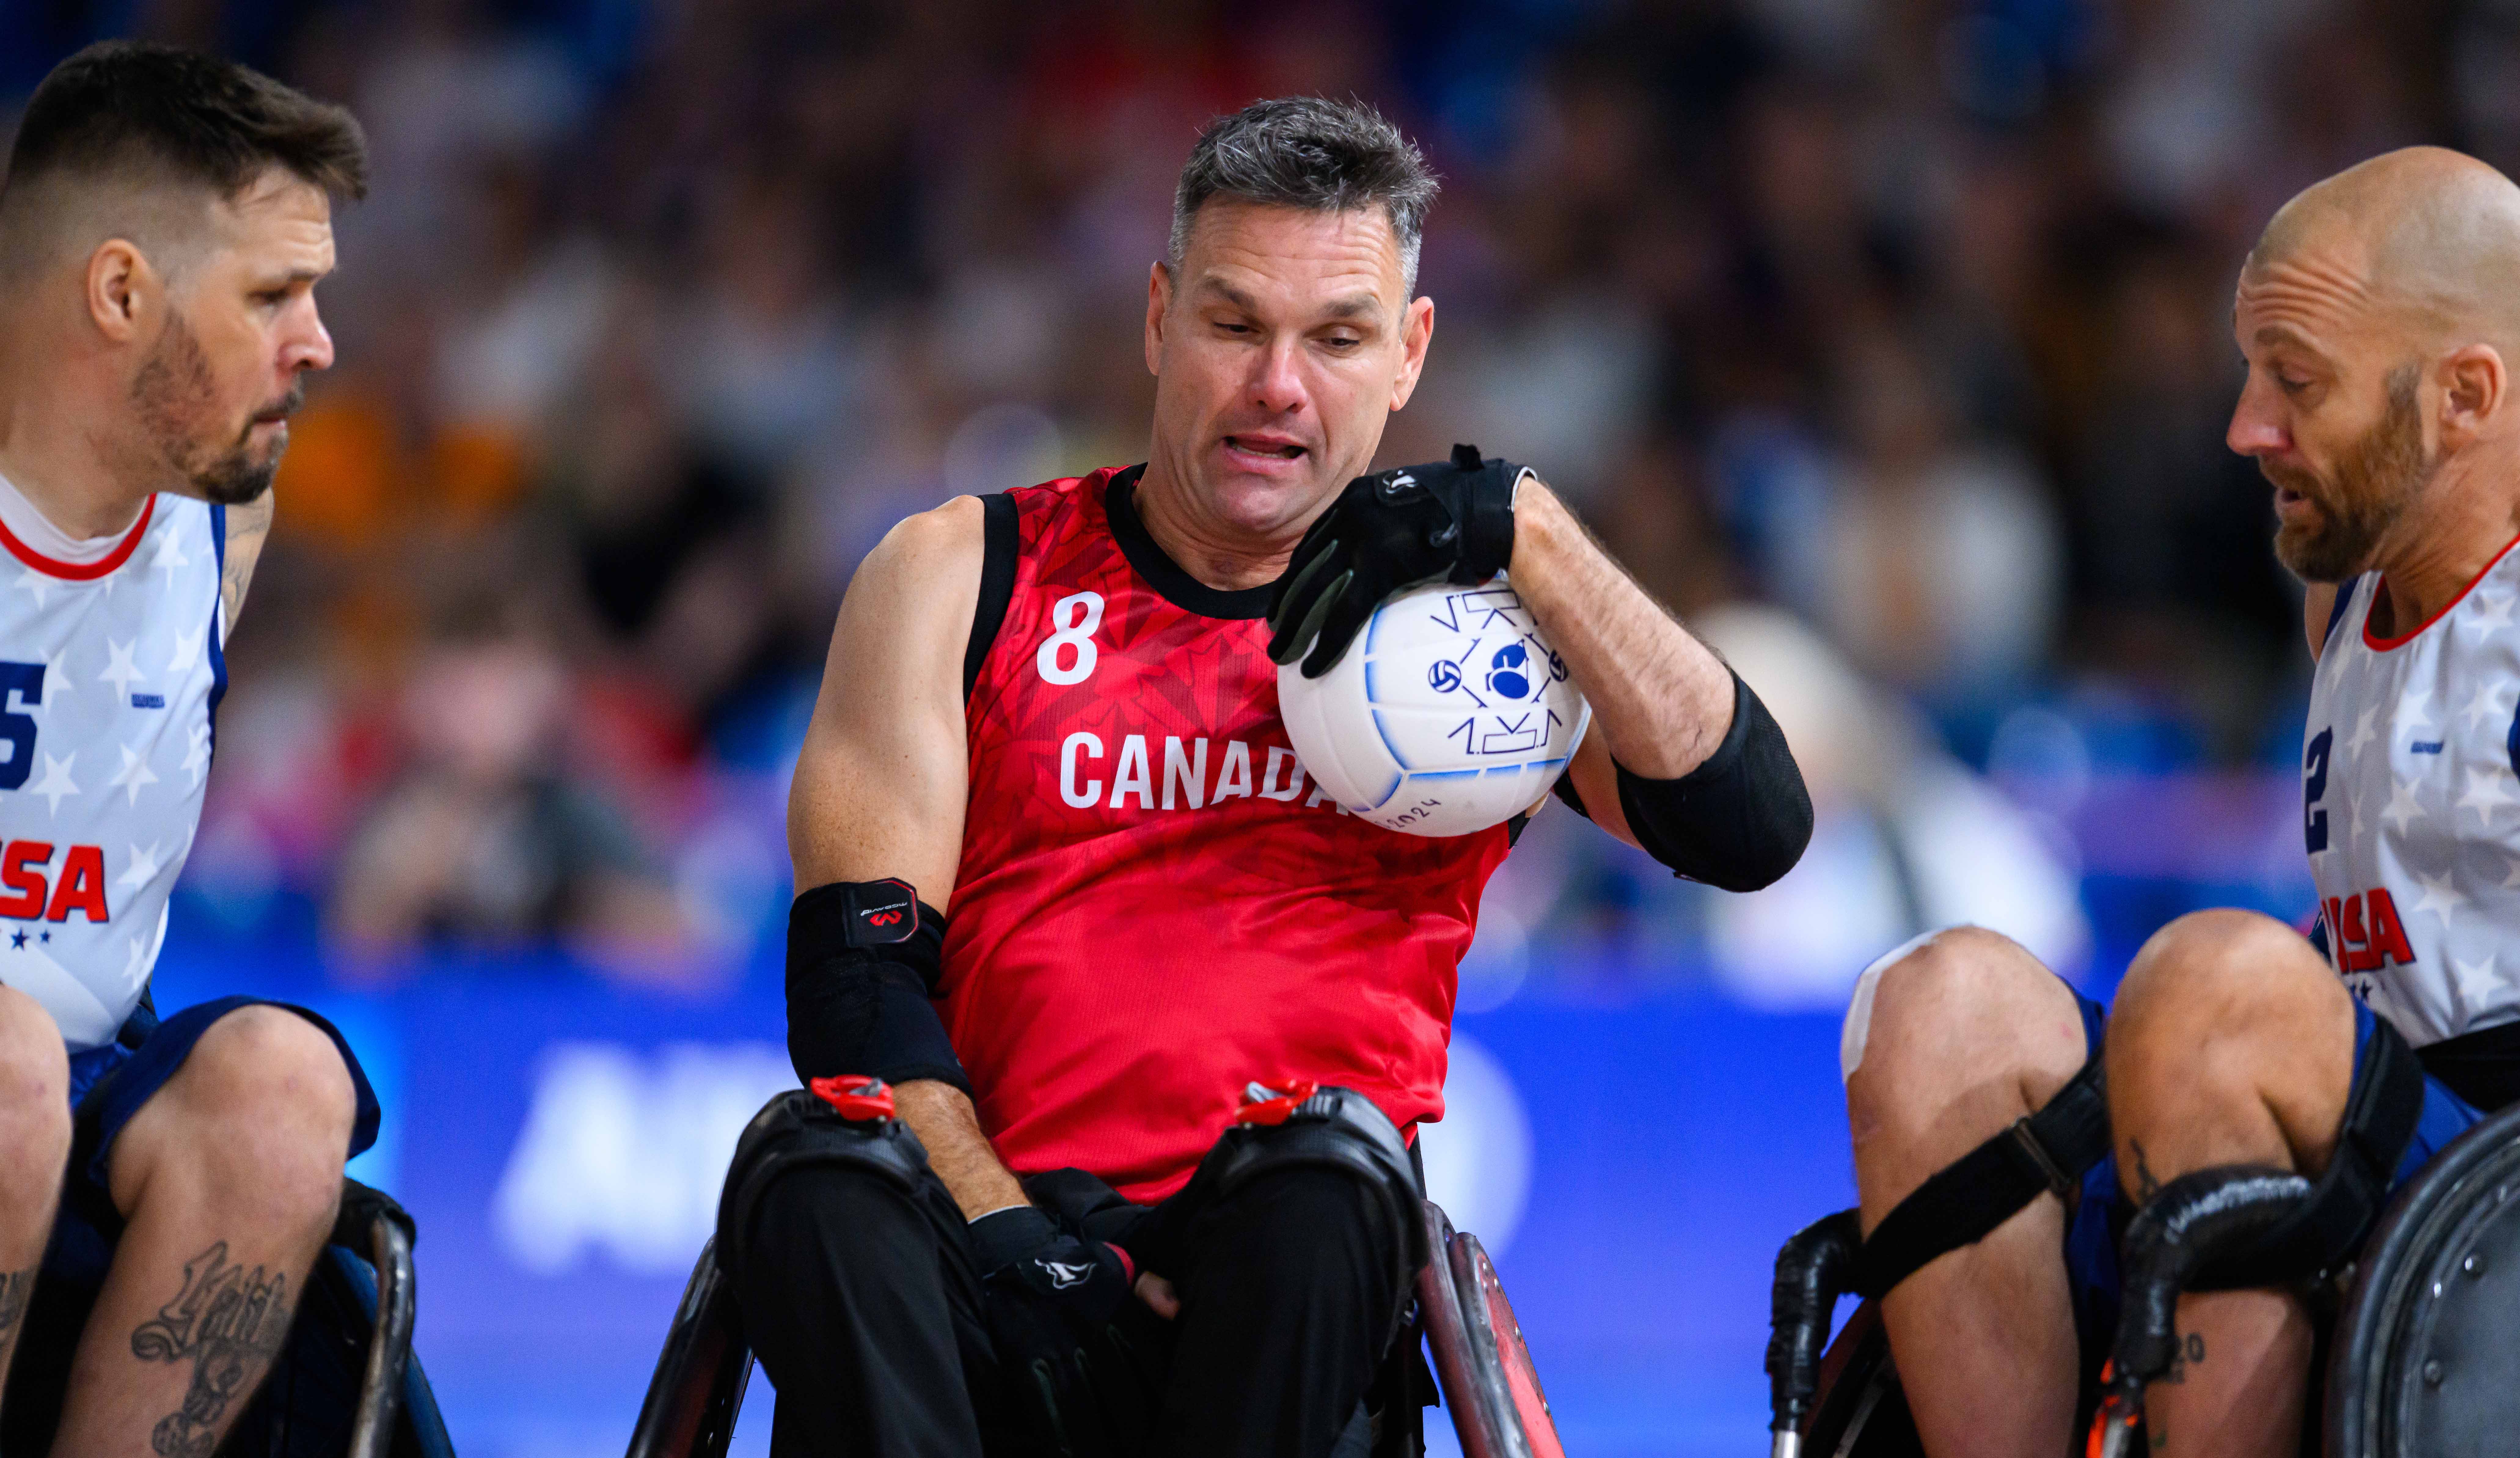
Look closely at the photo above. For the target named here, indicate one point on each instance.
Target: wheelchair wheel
(1859, 1411)
(2428, 1339)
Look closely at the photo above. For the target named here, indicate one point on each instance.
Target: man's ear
(121, 287)
(1159, 297)
(2474, 389)
(1416, 332)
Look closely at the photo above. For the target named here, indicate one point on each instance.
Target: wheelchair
(2422, 1329)
(1461, 1313)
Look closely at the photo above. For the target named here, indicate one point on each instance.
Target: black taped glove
(1451, 520)
(1053, 1300)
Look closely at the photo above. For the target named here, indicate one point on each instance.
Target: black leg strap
(2381, 1109)
(2051, 1150)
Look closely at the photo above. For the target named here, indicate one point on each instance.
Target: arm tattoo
(230, 1322)
(15, 1288)
(2146, 1184)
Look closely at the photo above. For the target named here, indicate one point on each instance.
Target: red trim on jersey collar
(2383, 644)
(82, 571)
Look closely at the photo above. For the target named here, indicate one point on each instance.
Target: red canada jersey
(1156, 905)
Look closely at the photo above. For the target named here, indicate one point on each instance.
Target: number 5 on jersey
(1073, 621)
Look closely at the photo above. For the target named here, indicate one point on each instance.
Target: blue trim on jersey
(218, 616)
(2336, 610)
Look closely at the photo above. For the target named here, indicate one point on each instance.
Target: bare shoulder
(246, 527)
(2316, 606)
(921, 582)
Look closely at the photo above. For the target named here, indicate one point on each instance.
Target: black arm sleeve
(858, 998)
(1738, 821)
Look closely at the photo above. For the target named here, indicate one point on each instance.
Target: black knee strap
(2381, 1109)
(794, 1129)
(1959, 1204)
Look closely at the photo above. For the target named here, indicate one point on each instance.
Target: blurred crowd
(1888, 338)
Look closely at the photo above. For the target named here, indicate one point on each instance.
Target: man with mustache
(165, 1185)
(1064, 882)
(2379, 316)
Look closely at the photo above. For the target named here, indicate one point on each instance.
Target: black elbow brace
(862, 960)
(1738, 821)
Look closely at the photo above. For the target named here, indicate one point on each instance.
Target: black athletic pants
(865, 1309)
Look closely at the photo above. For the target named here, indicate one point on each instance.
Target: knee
(35, 1086)
(2212, 998)
(1961, 1008)
(267, 1089)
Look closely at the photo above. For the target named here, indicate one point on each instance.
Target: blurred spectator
(486, 837)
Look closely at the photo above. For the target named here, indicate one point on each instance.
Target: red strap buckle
(1263, 1104)
(855, 1095)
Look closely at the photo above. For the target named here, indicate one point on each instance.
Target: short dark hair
(1312, 153)
(122, 105)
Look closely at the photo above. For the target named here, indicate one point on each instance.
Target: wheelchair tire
(2427, 1341)
(1860, 1410)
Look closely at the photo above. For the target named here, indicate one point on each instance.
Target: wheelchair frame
(1490, 1387)
(1855, 1407)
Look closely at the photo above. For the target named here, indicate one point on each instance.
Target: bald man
(2377, 316)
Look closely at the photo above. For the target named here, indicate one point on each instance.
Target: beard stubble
(177, 401)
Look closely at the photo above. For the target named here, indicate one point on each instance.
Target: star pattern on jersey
(32, 583)
(135, 772)
(188, 652)
(2483, 708)
(143, 869)
(135, 970)
(2403, 809)
(2414, 716)
(2486, 793)
(121, 672)
(2493, 616)
(2475, 982)
(57, 781)
(170, 556)
(197, 753)
(58, 682)
(2367, 728)
(2439, 897)
(17, 939)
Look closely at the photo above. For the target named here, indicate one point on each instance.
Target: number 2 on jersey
(1073, 621)
(2314, 769)
(21, 684)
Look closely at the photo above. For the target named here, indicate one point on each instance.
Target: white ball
(1448, 714)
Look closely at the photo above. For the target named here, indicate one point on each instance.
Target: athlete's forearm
(950, 1127)
(1660, 699)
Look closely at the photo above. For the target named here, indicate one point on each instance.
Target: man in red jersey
(1054, 715)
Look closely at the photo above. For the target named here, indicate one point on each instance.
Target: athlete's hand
(1451, 519)
(1053, 1298)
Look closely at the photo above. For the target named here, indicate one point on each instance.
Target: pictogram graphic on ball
(1448, 714)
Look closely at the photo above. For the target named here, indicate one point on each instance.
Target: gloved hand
(1451, 519)
(1052, 1298)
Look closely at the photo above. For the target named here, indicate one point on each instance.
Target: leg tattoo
(230, 1322)
(2146, 1184)
(15, 1288)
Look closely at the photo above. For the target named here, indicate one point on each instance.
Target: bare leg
(228, 1179)
(34, 1143)
(1968, 1032)
(2232, 1043)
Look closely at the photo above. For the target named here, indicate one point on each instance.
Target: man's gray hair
(1311, 153)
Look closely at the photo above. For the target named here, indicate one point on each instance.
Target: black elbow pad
(863, 962)
(1738, 821)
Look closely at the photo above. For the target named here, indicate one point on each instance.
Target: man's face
(1279, 348)
(219, 383)
(2332, 410)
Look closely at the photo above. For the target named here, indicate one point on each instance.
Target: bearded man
(2377, 315)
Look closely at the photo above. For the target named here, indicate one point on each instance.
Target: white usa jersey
(2411, 788)
(111, 672)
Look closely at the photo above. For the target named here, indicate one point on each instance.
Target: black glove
(1052, 1298)
(1451, 520)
